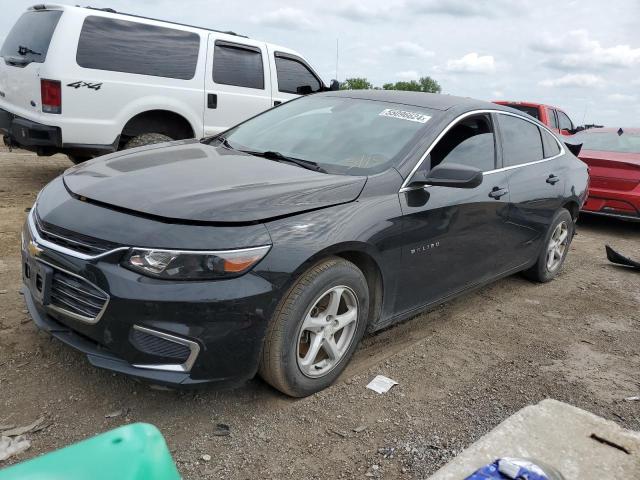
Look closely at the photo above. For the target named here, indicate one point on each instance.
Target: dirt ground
(462, 369)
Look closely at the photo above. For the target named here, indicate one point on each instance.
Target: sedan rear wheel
(316, 328)
(556, 246)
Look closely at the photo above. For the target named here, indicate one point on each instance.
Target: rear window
(550, 145)
(29, 39)
(132, 47)
(533, 111)
(607, 141)
(521, 141)
(239, 65)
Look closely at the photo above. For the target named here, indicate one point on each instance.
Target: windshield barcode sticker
(404, 115)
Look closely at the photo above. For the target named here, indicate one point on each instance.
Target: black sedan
(273, 247)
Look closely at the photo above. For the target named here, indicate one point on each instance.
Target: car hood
(195, 182)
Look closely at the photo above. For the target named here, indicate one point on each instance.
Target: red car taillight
(51, 96)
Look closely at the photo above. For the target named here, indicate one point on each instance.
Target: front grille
(161, 347)
(75, 296)
(72, 240)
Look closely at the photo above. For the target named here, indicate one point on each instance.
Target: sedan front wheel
(316, 328)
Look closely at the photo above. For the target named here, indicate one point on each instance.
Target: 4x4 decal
(78, 84)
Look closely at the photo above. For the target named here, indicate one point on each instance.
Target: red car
(613, 156)
(552, 117)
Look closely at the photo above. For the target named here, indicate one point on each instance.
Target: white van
(86, 81)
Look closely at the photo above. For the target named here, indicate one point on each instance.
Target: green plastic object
(133, 452)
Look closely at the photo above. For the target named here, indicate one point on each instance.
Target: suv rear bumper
(44, 139)
(20, 132)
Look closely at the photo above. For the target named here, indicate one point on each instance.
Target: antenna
(337, 57)
(586, 107)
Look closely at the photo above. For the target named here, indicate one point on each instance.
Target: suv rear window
(239, 65)
(29, 39)
(133, 47)
(533, 111)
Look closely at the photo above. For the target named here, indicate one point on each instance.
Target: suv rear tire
(556, 243)
(147, 139)
(316, 328)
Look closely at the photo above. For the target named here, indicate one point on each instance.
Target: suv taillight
(51, 96)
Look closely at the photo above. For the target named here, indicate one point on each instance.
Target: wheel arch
(573, 208)
(166, 122)
(363, 256)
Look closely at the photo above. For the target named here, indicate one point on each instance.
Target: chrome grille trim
(71, 314)
(185, 367)
(59, 248)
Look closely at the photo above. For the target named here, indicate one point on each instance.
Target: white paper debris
(633, 399)
(381, 384)
(12, 446)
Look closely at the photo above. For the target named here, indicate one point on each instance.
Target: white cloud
(472, 63)
(576, 50)
(621, 97)
(497, 93)
(408, 75)
(574, 80)
(287, 18)
(356, 11)
(465, 8)
(408, 49)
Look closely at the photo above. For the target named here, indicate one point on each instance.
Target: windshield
(29, 39)
(607, 141)
(342, 135)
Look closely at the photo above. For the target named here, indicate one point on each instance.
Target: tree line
(424, 84)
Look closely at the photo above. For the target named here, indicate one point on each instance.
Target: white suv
(85, 81)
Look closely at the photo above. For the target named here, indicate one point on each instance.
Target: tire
(147, 139)
(77, 159)
(287, 362)
(543, 270)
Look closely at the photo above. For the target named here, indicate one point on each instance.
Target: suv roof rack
(111, 10)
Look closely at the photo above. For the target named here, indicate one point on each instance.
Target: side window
(521, 141)
(551, 148)
(133, 47)
(552, 118)
(565, 122)
(239, 65)
(470, 142)
(295, 77)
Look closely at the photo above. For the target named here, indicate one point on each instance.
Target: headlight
(193, 265)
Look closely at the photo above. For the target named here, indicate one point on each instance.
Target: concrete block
(581, 445)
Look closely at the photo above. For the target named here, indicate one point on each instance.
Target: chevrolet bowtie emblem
(34, 249)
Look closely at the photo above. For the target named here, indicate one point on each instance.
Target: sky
(580, 55)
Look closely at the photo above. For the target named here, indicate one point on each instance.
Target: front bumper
(220, 324)
(18, 131)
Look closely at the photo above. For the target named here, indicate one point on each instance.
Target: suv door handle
(212, 100)
(552, 180)
(498, 192)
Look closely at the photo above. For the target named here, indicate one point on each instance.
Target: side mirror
(334, 85)
(304, 90)
(449, 175)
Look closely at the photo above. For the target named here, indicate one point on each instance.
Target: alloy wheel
(327, 331)
(557, 246)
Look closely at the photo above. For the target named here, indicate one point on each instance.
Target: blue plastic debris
(515, 469)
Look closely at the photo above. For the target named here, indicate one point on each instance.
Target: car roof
(436, 101)
(527, 104)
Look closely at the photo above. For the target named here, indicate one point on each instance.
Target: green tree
(356, 83)
(425, 84)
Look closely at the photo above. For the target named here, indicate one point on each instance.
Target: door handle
(552, 180)
(212, 100)
(498, 192)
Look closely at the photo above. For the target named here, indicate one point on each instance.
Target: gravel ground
(461, 368)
